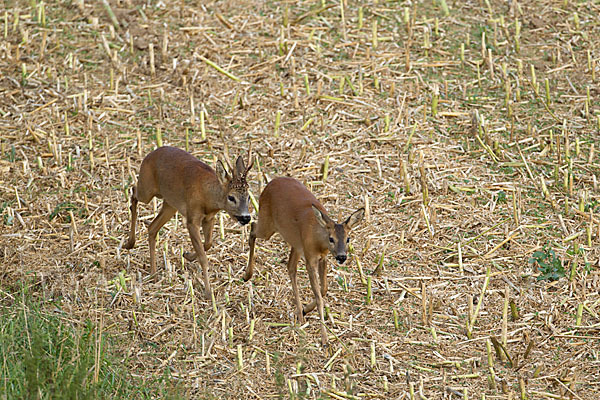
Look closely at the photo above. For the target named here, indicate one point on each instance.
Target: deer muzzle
(243, 219)
(341, 258)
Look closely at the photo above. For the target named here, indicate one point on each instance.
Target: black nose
(341, 258)
(243, 219)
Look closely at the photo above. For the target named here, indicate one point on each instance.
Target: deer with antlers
(193, 188)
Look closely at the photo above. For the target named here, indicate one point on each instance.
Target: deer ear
(240, 168)
(322, 219)
(355, 218)
(222, 174)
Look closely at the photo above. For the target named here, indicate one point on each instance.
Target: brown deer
(289, 208)
(193, 188)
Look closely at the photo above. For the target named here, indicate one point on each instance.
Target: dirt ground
(470, 136)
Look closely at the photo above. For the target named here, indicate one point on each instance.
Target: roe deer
(289, 208)
(193, 188)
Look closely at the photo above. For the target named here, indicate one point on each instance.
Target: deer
(196, 191)
(287, 207)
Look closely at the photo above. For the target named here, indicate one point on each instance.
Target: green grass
(42, 356)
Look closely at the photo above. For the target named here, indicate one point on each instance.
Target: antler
(250, 162)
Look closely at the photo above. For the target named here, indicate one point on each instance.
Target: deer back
(288, 204)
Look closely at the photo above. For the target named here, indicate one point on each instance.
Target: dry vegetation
(470, 136)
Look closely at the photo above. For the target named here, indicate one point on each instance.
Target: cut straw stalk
(253, 201)
(193, 298)
(341, 85)
(434, 100)
(426, 218)
(277, 123)
(307, 124)
(396, 319)
(444, 7)
(380, 265)
(374, 40)
(360, 271)
(220, 70)
(423, 303)
(202, 125)
(473, 317)
(404, 175)
(460, 259)
(111, 14)
(424, 190)
(492, 377)
(410, 135)
(343, 18)
(240, 359)
(221, 227)
(373, 358)
(325, 168)
(152, 65)
(251, 332)
(360, 17)
(306, 85)
(159, 141)
(351, 85)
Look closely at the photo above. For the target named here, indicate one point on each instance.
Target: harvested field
(468, 129)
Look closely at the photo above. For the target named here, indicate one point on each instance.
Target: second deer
(289, 208)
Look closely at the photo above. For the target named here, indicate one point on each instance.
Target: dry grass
(81, 103)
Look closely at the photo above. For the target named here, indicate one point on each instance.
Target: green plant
(46, 357)
(549, 264)
(279, 377)
(12, 154)
(501, 196)
(593, 205)
(575, 250)
(62, 207)
(6, 217)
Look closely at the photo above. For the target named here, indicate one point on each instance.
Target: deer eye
(231, 199)
(330, 240)
(348, 240)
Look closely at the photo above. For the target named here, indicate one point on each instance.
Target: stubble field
(468, 130)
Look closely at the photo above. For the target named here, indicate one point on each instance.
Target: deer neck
(215, 196)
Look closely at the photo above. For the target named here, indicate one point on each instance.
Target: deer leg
(199, 248)
(311, 267)
(323, 275)
(257, 230)
(207, 230)
(134, 202)
(251, 242)
(292, 268)
(323, 278)
(165, 214)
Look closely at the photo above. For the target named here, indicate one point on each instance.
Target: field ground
(470, 135)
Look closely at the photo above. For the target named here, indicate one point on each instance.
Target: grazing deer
(193, 188)
(287, 207)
